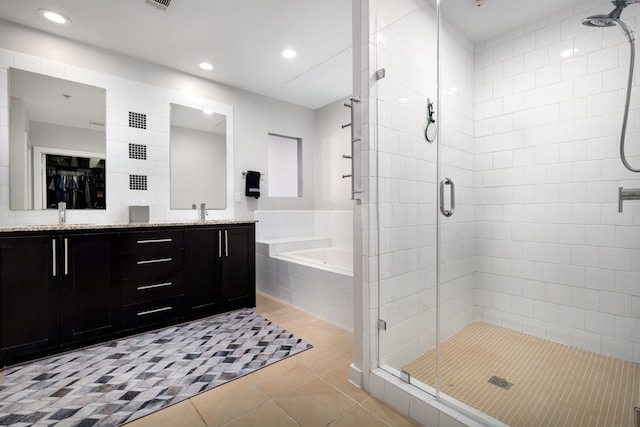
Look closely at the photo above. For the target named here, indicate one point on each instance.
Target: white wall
(556, 259)
(123, 77)
(333, 191)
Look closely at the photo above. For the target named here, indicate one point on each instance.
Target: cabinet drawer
(151, 265)
(150, 313)
(144, 289)
(150, 240)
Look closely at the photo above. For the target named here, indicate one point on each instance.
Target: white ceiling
(244, 38)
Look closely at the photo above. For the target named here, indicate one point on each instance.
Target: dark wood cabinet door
(29, 296)
(201, 255)
(89, 299)
(237, 273)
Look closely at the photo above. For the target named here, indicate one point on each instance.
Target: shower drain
(500, 382)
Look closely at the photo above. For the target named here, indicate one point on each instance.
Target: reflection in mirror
(57, 143)
(198, 158)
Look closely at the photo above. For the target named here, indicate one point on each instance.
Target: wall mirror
(199, 150)
(57, 143)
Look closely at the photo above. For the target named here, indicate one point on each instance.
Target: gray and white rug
(119, 381)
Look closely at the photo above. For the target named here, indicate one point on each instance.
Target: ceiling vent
(159, 4)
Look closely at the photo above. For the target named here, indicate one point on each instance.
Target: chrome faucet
(203, 212)
(62, 213)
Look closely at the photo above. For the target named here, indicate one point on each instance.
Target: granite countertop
(69, 227)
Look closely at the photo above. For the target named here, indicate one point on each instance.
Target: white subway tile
(586, 256)
(616, 304)
(573, 109)
(600, 279)
(524, 82)
(514, 66)
(602, 60)
(571, 316)
(535, 59)
(545, 311)
(493, 73)
(600, 323)
(524, 44)
(561, 51)
(573, 68)
(548, 114)
(602, 192)
(591, 41)
(605, 103)
(585, 298)
(587, 85)
(548, 75)
(587, 128)
(503, 52)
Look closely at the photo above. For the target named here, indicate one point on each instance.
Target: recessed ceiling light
(206, 66)
(56, 17)
(208, 111)
(289, 53)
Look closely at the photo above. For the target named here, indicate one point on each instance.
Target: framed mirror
(57, 143)
(200, 140)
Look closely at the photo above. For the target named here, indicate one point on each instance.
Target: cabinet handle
(153, 261)
(157, 285)
(66, 256)
(226, 244)
(219, 243)
(54, 257)
(142, 242)
(157, 310)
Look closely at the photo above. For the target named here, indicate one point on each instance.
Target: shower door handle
(449, 182)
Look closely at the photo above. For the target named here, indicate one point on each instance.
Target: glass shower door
(406, 62)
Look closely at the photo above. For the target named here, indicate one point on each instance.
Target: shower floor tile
(552, 384)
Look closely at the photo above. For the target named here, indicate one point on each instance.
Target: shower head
(612, 18)
(608, 20)
(599, 21)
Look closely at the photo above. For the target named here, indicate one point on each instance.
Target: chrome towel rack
(354, 192)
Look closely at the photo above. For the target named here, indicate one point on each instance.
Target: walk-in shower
(523, 306)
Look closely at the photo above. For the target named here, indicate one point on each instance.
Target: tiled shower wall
(555, 258)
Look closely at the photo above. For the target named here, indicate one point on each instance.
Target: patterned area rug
(119, 381)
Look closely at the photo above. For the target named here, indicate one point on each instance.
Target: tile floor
(309, 389)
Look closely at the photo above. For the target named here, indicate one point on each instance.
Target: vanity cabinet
(61, 289)
(236, 260)
(152, 277)
(29, 296)
(89, 297)
(55, 290)
(219, 269)
(202, 294)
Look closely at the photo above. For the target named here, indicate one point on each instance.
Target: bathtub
(318, 280)
(331, 259)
